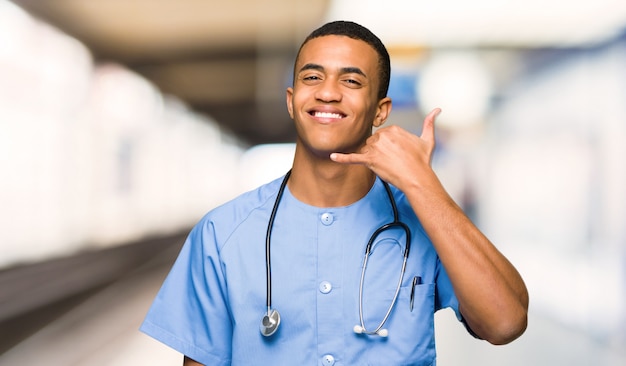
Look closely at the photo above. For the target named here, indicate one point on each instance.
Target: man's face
(334, 98)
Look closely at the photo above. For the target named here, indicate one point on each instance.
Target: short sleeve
(190, 312)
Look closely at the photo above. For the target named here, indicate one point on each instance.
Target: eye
(353, 83)
(311, 79)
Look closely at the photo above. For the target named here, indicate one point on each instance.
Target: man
(337, 308)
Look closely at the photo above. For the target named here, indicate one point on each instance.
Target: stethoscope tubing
(268, 237)
(368, 249)
(271, 320)
(391, 305)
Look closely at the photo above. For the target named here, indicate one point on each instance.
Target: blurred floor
(102, 331)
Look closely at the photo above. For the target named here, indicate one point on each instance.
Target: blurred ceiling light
(448, 23)
(37, 62)
(459, 83)
(12, 20)
(123, 100)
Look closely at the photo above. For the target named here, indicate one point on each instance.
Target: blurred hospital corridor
(123, 123)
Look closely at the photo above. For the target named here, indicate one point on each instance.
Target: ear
(289, 98)
(382, 112)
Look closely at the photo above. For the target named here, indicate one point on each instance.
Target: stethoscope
(271, 320)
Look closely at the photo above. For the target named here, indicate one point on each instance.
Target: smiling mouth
(327, 115)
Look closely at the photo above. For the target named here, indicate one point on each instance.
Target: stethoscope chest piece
(270, 322)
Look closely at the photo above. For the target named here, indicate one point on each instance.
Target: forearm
(492, 295)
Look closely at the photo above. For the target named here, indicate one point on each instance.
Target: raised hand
(396, 155)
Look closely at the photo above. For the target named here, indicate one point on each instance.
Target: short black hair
(358, 32)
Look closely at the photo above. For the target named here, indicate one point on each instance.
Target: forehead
(337, 52)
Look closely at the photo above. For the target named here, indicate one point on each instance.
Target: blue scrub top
(211, 304)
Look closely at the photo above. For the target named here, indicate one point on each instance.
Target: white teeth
(327, 115)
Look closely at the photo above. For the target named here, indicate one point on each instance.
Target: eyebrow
(343, 70)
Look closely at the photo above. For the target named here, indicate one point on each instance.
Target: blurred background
(123, 122)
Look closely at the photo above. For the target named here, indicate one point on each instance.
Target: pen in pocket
(417, 280)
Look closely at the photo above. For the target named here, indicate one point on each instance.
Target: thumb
(428, 129)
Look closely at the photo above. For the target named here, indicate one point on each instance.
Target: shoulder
(225, 219)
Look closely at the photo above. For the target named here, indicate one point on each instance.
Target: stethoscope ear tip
(358, 329)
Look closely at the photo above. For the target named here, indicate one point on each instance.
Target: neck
(329, 184)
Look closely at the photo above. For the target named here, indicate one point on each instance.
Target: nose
(328, 91)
